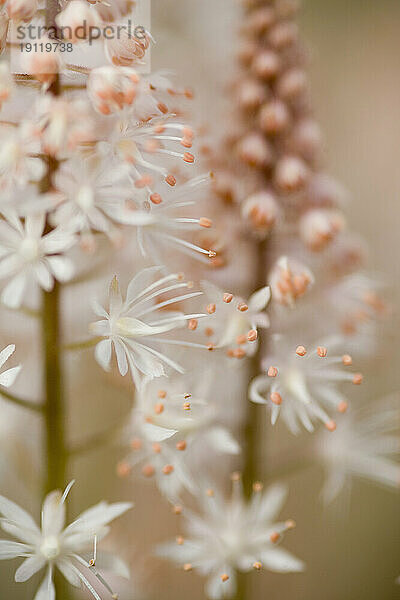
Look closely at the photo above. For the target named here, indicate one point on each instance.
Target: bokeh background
(352, 548)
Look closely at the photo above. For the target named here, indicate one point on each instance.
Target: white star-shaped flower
(234, 535)
(298, 383)
(54, 546)
(135, 329)
(364, 446)
(28, 255)
(236, 322)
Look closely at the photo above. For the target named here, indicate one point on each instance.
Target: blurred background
(352, 548)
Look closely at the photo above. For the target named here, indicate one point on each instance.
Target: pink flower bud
(291, 174)
(251, 94)
(274, 117)
(319, 227)
(255, 150)
(78, 20)
(289, 281)
(44, 66)
(126, 49)
(292, 84)
(262, 212)
(266, 64)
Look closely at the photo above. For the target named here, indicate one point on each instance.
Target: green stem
(82, 345)
(20, 401)
(56, 454)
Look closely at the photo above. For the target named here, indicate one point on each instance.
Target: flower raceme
(54, 546)
(134, 327)
(234, 535)
(298, 384)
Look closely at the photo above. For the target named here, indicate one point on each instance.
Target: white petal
(157, 434)
(15, 513)
(12, 549)
(29, 567)
(62, 268)
(44, 276)
(47, 590)
(53, 513)
(6, 353)
(69, 573)
(281, 561)
(103, 354)
(259, 300)
(216, 588)
(13, 293)
(34, 226)
(222, 441)
(108, 562)
(141, 280)
(121, 359)
(272, 502)
(97, 516)
(8, 377)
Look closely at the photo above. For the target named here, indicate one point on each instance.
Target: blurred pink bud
(22, 10)
(291, 174)
(262, 212)
(266, 64)
(274, 117)
(319, 227)
(77, 20)
(291, 84)
(112, 88)
(289, 280)
(255, 150)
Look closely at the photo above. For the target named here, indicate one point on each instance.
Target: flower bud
(255, 151)
(289, 281)
(126, 49)
(77, 21)
(274, 117)
(260, 20)
(42, 65)
(262, 212)
(266, 64)
(22, 10)
(282, 35)
(251, 94)
(291, 84)
(112, 88)
(247, 52)
(319, 227)
(291, 174)
(306, 139)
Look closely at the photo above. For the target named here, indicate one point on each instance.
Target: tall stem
(250, 451)
(54, 402)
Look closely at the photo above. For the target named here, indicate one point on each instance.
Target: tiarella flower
(8, 376)
(93, 195)
(364, 446)
(135, 327)
(237, 321)
(289, 281)
(6, 79)
(297, 384)
(128, 48)
(262, 212)
(77, 19)
(141, 146)
(319, 227)
(163, 221)
(41, 64)
(115, 10)
(173, 421)
(18, 163)
(54, 546)
(28, 255)
(112, 88)
(63, 124)
(234, 535)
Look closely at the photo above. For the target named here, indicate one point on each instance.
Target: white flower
(93, 195)
(176, 427)
(364, 446)
(8, 376)
(262, 211)
(18, 165)
(135, 331)
(144, 147)
(297, 384)
(236, 321)
(234, 535)
(127, 48)
(289, 280)
(112, 88)
(63, 124)
(26, 255)
(162, 222)
(56, 546)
